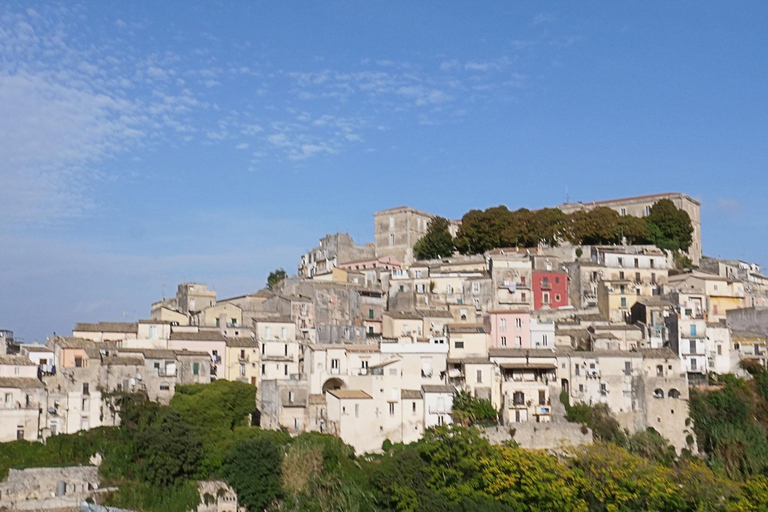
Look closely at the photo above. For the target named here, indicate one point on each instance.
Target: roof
(403, 315)
(316, 399)
(529, 366)
(124, 361)
(190, 353)
(410, 394)
(20, 383)
(158, 322)
(198, 336)
(349, 394)
(654, 302)
(616, 327)
(406, 208)
(435, 313)
(361, 348)
(437, 388)
(521, 352)
(469, 360)
(124, 327)
(36, 348)
(746, 335)
(242, 342)
(634, 198)
(150, 353)
(17, 360)
(466, 328)
(273, 319)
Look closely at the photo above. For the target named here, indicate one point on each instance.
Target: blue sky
(150, 143)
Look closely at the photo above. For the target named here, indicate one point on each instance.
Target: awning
(530, 366)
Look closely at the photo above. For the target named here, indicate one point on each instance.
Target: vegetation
(468, 410)
(275, 278)
(437, 243)
(667, 227)
(159, 452)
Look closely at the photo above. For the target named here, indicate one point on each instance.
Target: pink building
(510, 328)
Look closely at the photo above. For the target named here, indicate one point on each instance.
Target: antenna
(567, 195)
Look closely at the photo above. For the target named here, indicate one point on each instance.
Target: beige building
(23, 399)
(511, 272)
(396, 231)
(724, 294)
(640, 206)
(243, 360)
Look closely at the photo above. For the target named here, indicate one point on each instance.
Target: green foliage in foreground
(157, 455)
(468, 410)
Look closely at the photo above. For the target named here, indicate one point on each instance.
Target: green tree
(437, 243)
(253, 469)
(275, 278)
(547, 226)
(634, 230)
(669, 227)
(468, 410)
(652, 446)
(598, 226)
(481, 231)
(168, 451)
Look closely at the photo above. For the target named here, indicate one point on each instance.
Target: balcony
(167, 372)
(546, 285)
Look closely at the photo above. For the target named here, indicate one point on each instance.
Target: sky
(144, 144)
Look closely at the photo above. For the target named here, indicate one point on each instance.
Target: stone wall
(540, 436)
(753, 320)
(67, 484)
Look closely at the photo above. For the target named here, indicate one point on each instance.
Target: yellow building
(243, 360)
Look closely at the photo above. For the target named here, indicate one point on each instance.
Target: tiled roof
(20, 383)
(198, 336)
(410, 394)
(242, 342)
(437, 388)
(343, 394)
(404, 315)
(521, 352)
(124, 327)
(17, 360)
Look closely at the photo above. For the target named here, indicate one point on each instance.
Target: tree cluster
(666, 226)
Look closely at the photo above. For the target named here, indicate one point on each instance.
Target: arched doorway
(564, 386)
(332, 384)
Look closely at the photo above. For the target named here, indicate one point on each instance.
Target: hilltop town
(371, 344)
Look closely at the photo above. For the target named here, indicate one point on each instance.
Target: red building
(550, 290)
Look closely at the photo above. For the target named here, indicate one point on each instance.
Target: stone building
(640, 206)
(332, 251)
(396, 231)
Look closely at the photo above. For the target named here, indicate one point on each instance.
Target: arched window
(660, 370)
(658, 393)
(673, 393)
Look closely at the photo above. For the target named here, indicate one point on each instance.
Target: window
(558, 298)
(78, 362)
(391, 223)
(557, 280)
(448, 289)
(263, 369)
(440, 421)
(479, 376)
(545, 340)
(334, 364)
(413, 407)
(577, 369)
(623, 212)
(693, 329)
(628, 368)
(393, 372)
(242, 369)
(458, 344)
(8, 399)
(283, 333)
(523, 296)
(85, 424)
(659, 371)
(357, 410)
(418, 274)
(692, 346)
(623, 302)
(440, 404)
(653, 278)
(545, 298)
(475, 287)
(518, 341)
(392, 239)
(285, 350)
(719, 350)
(285, 370)
(165, 386)
(503, 341)
(291, 397)
(518, 398)
(647, 210)
(503, 325)
(195, 368)
(370, 329)
(653, 263)
(86, 388)
(267, 332)
(370, 314)
(542, 397)
(391, 408)
(152, 332)
(637, 277)
(693, 365)
(621, 275)
(603, 389)
(637, 263)
(518, 323)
